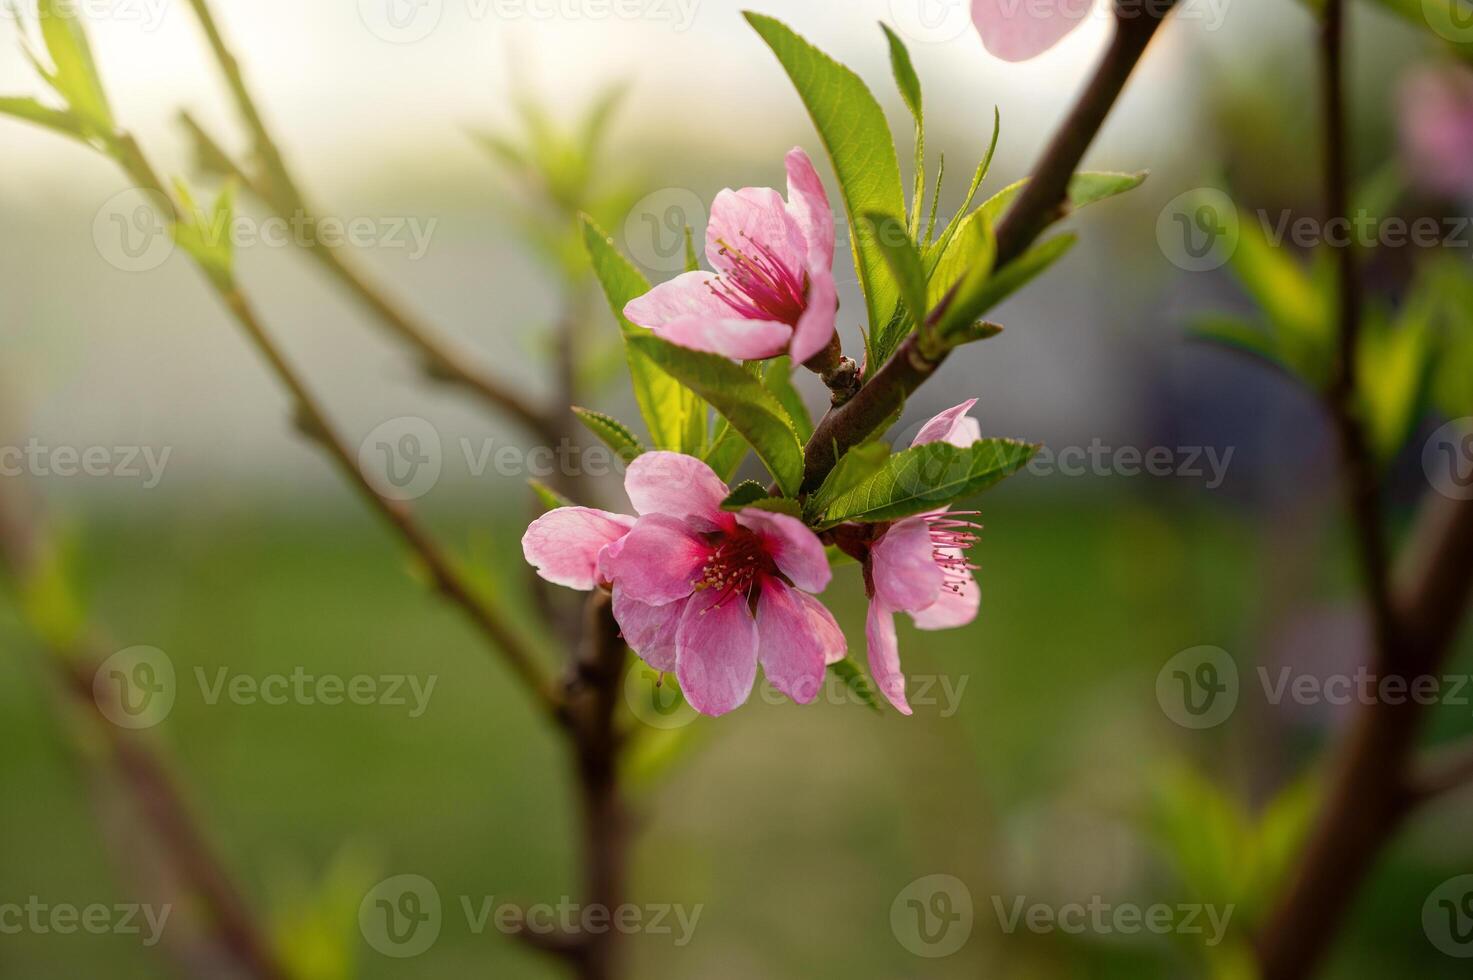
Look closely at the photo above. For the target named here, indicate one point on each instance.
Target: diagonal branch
(1039, 203)
(278, 190)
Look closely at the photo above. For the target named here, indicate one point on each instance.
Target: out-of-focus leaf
(779, 381)
(1090, 187)
(547, 496)
(663, 401)
(613, 433)
(1447, 20)
(32, 111)
(1394, 363)
(206, 235)
(76, 78)
(1240, 335)
(742, 400)
(848, 671)
(854, 131)
(1298, 309)
(928, 477)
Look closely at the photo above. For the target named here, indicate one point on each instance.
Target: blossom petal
(820, 315)
(564, 544)
(903, 566)
(953, 426)
(808, 203)
(792, 654)
(884, 655)
(1015, 31)
(951, 608)
(679, 486)
(729, 336)
(649, 630)
(753, 216)
(717, 652)
(688, 294)
(794, 548)
(825, 628)
(658, 560)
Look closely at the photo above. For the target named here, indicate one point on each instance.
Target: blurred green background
(1055, 775)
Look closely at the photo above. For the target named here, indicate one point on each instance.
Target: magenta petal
(750, 217)
(820, 315)
(808, 203)
(688, 294)
(649, 630)
(792, 654)
(564, 544)
(794, 548)
(884, 655)
(825, 628)
(658, 560)
(953, 426)
(717, 658)
(903, 566)
(1016, 30)
(678, 486)
(951, 608)
(729, 336)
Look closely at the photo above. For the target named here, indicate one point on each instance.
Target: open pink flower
(1016, 30)
(700, 591)
(919, 566)
(773, 290)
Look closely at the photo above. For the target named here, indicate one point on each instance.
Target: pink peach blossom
(697, 590)
(773, 290)
(919, 566)
(1436, 121)
(1016, 30)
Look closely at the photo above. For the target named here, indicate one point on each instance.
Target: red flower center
(737, 562)
(758, 286)
(950, 540)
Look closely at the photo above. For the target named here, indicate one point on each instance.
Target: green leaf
(1394, 364)
(779, 381)
(1240, 335)
(909, 84)
(744, 493)
(1296, 306)
(975, 298)
(728, 450)
(926, 477)
(32, 111)
(76, 78)
(1447, 19)
(970, 256)
(665, 404)
(205, 235)
(854, 132)
(848, 671)
(939, 247)
(742, 400)
(692, 262)
(611, 432)
(904, 260)
(550, 498)
(854, 467)
(1090, 187)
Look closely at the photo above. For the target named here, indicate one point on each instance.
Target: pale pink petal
(658, 561)
(820, 315)
(903, 566)
(794, 548)
(677, 485)
(649, 630)
(792, 654)
(753, 216)
(808, 203)
(884, 655)
(830, 638)
(1016, 30)
(688, 294)
(717, 658)
(953, 426)
(564, 544)
(951, 608)
(729, 336)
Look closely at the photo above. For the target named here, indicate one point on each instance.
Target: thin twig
(1040, 201)
(278, 190)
